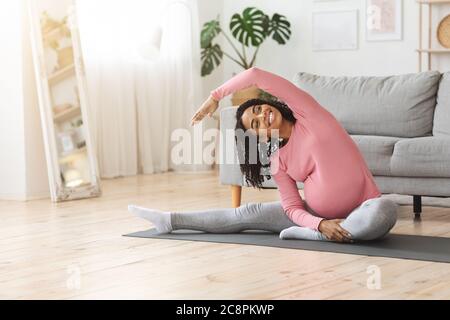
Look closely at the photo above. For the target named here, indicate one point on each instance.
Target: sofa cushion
(441, 125)
(377, 151)
(397, 106)
(421, 157)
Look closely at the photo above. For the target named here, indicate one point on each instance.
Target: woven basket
(443, 32)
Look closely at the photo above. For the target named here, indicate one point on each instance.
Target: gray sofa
(400, 123)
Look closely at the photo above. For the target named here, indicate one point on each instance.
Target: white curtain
(138, 99)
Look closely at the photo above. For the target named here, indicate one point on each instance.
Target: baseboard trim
(22, 197)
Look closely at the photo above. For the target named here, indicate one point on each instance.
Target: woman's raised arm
(298, 100)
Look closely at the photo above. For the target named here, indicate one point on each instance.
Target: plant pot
(241, 96)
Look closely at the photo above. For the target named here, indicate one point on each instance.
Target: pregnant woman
(342, 202)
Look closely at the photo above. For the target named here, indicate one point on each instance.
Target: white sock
(161, 219)
(302, 234)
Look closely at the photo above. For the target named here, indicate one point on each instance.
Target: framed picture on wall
(384, 20)
(335, 30)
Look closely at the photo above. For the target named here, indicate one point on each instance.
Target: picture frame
(335, 30)
(384, 20)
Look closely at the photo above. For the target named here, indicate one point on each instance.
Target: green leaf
(210, 30)
(279, 29)
(267, 96)
(251, 27)
(211, 58)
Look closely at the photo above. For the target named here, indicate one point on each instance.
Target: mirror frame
(57, 190)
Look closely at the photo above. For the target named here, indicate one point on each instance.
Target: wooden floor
(75, 250)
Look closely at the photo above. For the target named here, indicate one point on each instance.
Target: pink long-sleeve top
(319, 153)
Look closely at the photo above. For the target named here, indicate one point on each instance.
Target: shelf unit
(429, 51)
(434, 50)
(68, 114)
(59, 118)
(52, 33)
(61, 74)
(58, 76)
(433, 1)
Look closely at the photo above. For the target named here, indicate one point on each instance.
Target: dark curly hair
(255, 166)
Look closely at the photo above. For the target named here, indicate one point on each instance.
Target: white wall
(36, 175)
(208, 10)
(12, 154)
(23, 174)
(372, 58)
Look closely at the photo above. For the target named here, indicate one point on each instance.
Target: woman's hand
(333, 230)
(208, 108)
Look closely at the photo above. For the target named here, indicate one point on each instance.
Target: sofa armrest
(230, 172)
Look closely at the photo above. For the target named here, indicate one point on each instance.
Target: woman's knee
(384, 210)
(373, 220)
(390, 210)
(382, 205)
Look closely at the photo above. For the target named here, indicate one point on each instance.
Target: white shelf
(65, 115)
(432, 1)
(53, 32)
(61, 74)
(428, 50)
(51, 35)
(434, 50)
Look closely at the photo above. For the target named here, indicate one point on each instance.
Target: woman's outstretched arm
(291, 200)
(298, 100)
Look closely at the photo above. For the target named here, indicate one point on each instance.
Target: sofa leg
(417, 204)
(236, 192)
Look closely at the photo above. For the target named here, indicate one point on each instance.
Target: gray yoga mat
(399, 246)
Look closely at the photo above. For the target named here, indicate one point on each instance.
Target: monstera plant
(251, 29)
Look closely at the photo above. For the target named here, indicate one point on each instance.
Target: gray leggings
(373, 219)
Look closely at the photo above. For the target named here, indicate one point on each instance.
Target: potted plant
(250, 29)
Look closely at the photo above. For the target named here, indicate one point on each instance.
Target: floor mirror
(63, 101)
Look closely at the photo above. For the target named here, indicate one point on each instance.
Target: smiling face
(262, 119)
